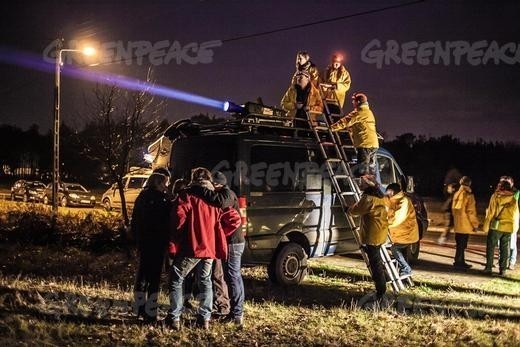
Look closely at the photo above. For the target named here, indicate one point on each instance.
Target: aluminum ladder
(334, 150)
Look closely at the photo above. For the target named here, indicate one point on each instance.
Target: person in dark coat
(150, 226)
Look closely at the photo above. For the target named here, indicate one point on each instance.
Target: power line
(323, 21)
(298, 26)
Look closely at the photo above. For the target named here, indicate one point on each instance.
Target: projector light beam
(34, 62)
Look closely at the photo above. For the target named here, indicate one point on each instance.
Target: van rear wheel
(289, 266)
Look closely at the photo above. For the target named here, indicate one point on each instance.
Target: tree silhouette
(120, 122)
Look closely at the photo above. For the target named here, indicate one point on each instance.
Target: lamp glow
(89, 51)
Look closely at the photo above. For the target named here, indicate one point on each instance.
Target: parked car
(28, 190)
(133, 183)
(289, 207)
(70, 194)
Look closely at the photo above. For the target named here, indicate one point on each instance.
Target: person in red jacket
(198, 235)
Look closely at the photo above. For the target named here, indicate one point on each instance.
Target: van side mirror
(410, 186)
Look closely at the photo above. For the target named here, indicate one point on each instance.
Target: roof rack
(254, 118)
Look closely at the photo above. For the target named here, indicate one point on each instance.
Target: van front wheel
(289, 267)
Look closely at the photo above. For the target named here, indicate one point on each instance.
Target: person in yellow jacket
(337, 76)
(501, 221)
(403, 227)
(304, 63)
(302, 97)
(465, 220)
(361, 124)
(373, 228)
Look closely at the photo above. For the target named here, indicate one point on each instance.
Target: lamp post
(56, 128)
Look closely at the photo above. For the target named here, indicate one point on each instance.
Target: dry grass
(60, 294)
(58, 306)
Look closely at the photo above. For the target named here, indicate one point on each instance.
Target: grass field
(65, 295)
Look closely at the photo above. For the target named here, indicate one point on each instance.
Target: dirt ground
(436, 261)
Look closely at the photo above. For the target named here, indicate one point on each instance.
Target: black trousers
(377, 268)
(148, 277)
(462, 243)
(366, 161)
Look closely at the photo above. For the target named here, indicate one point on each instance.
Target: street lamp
(56, 130)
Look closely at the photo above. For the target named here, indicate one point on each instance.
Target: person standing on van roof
(197, 237)
(150, 226)
(361, 124)
(304, 63)
(373, 228)
(338, 76)
(403, 227)
(464, 209)
(225, 198)
(501, 221)
(302, 97)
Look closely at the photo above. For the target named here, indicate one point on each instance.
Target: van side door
(278, 200)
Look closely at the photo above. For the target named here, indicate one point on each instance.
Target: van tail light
(242, 208)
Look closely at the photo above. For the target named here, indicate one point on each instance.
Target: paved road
(435, 260)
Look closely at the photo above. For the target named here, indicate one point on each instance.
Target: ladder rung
(321, 128)
(327, 143)
(341, 177)
(405, 276)
(334, 160)
(348, 193)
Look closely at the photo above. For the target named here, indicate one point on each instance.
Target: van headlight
(74, 196)
(92, 198)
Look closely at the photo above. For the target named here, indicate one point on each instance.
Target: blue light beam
(35, 62)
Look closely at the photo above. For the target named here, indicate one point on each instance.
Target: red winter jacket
(199, 230)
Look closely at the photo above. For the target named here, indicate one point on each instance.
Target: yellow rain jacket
(314, 102)
(341, 78)
(504, 207)
(464, 211)
(374, 219)
(362, 125)
(402, 219)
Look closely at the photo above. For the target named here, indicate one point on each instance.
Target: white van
(133, 183)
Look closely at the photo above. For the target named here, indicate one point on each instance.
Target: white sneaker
(441, 240)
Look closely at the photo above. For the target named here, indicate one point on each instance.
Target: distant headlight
(32, 192)
(74, 196)
(92, 197)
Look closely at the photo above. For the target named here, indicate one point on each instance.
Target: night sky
(467, 101)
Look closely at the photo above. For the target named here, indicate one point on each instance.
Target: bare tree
(120, 122)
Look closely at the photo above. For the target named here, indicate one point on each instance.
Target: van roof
(253, 125)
